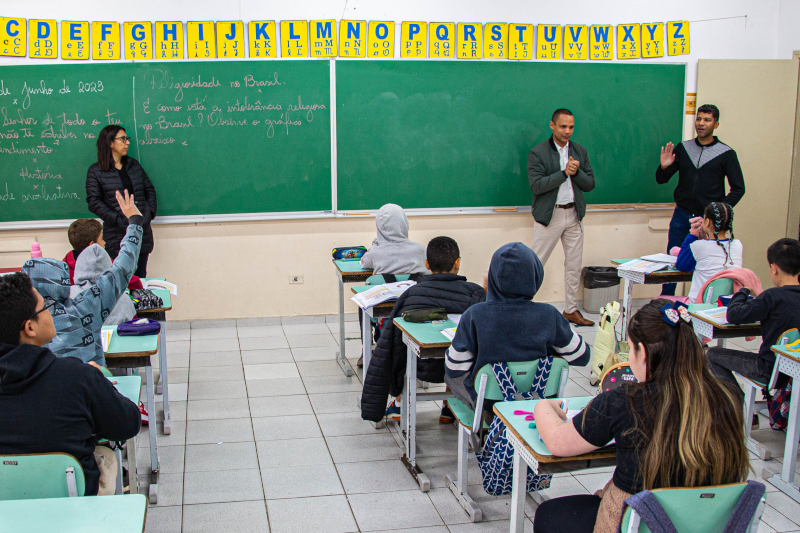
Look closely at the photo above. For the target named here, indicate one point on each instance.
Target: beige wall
(242, 269)
(757, 101)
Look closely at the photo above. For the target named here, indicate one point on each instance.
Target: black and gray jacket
(101, 188)
(701, 175)
(387, 367)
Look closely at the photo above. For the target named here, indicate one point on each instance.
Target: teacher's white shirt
(565, 193)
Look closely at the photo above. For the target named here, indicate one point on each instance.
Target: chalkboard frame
(334, 212)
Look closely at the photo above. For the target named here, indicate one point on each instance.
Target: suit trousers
(566, 227)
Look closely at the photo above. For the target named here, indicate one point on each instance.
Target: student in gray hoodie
(392, 252)
(93, 262)
(78, 320)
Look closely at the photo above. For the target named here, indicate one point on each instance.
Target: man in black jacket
(387, 367)
(702, 164)
(50, 404)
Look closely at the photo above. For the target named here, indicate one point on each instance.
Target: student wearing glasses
(115, 171)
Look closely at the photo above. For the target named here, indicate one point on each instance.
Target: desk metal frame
(408, 410)
(345, 277)
(631, 278)
(162, 387)
(788, 364)
(136, 360)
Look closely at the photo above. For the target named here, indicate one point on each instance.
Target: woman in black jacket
(115, 171)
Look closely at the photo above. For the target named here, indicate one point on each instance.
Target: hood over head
(49, 276)
(515, 274)
(22, 364)
(392, 224)
(91, 264)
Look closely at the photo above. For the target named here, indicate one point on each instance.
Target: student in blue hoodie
(509, 326)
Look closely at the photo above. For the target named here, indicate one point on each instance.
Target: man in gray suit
(559, 173)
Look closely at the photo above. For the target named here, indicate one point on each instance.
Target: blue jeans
(679, 228)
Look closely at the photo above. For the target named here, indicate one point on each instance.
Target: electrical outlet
(295, 279)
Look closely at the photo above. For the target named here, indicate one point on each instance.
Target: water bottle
(36, 250)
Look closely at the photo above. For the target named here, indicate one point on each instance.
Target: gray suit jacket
(545, 176)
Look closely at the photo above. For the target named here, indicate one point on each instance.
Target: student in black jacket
(50, 404)
(778, 310)
(702, 165)
(387, 367)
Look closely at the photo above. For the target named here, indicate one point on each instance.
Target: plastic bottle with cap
(36, 250)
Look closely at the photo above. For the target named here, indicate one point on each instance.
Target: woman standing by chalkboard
(115, 171)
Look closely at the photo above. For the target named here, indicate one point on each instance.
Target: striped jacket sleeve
(458, 363)
(569, 345)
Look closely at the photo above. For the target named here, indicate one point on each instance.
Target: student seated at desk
(91, 264)
(509, 326)
(79, 319)
(677, 427)
(83, 233)
(778, 309)
(392, 252)
(52, 404)
(387, 369)
(707, 249)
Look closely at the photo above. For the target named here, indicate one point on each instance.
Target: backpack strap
(389, 278)
(540, 379)
(746, 508)
(503, 376)
(650, 511)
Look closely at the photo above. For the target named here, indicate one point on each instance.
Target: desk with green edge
(424, 340)
(530, 451)
(160, 314)
(346, 272)
(788, 363)
(706, 328)
(135, 352)
(669, 275)
(104, 514)
(378, 311)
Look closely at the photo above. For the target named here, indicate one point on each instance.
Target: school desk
(135, 352)
(705, 328)
(379, 311)
(131, 388)
(91, 514)
(530, 451)
(669, 275)
(160, 314)
(788, 363)
(346, 272)
(424, 340)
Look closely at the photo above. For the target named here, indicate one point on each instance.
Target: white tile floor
(267, 437)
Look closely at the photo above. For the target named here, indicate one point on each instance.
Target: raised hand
(667, 155)
(697, 228)
(126, 204)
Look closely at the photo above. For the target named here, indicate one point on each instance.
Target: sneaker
(446, 416)
(756, 422)
(360, 363)
(143, 412)
(393, 411)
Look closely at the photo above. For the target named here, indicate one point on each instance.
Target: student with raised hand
(678, 427)
(702, 164)
(778, 310)
(79, 320)
(50, 404)
(509, 326)
(708, 250)
(83, 233)
(387, 369)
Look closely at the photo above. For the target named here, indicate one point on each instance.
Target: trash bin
(600, 286)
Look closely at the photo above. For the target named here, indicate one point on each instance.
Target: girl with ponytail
(708, 249)
(678, 427)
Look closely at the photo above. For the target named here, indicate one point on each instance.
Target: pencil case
(424, 315)
(139, 327)
(349, 253)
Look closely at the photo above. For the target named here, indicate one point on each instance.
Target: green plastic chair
(751, 388)
(717, 288)
(700, 510)
(43, 475)
(522, 373)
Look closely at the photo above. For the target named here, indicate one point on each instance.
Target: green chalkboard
(51, 115)
(427, 134)
(235, 136)
(214, 137)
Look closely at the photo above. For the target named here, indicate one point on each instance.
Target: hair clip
(672, 314)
